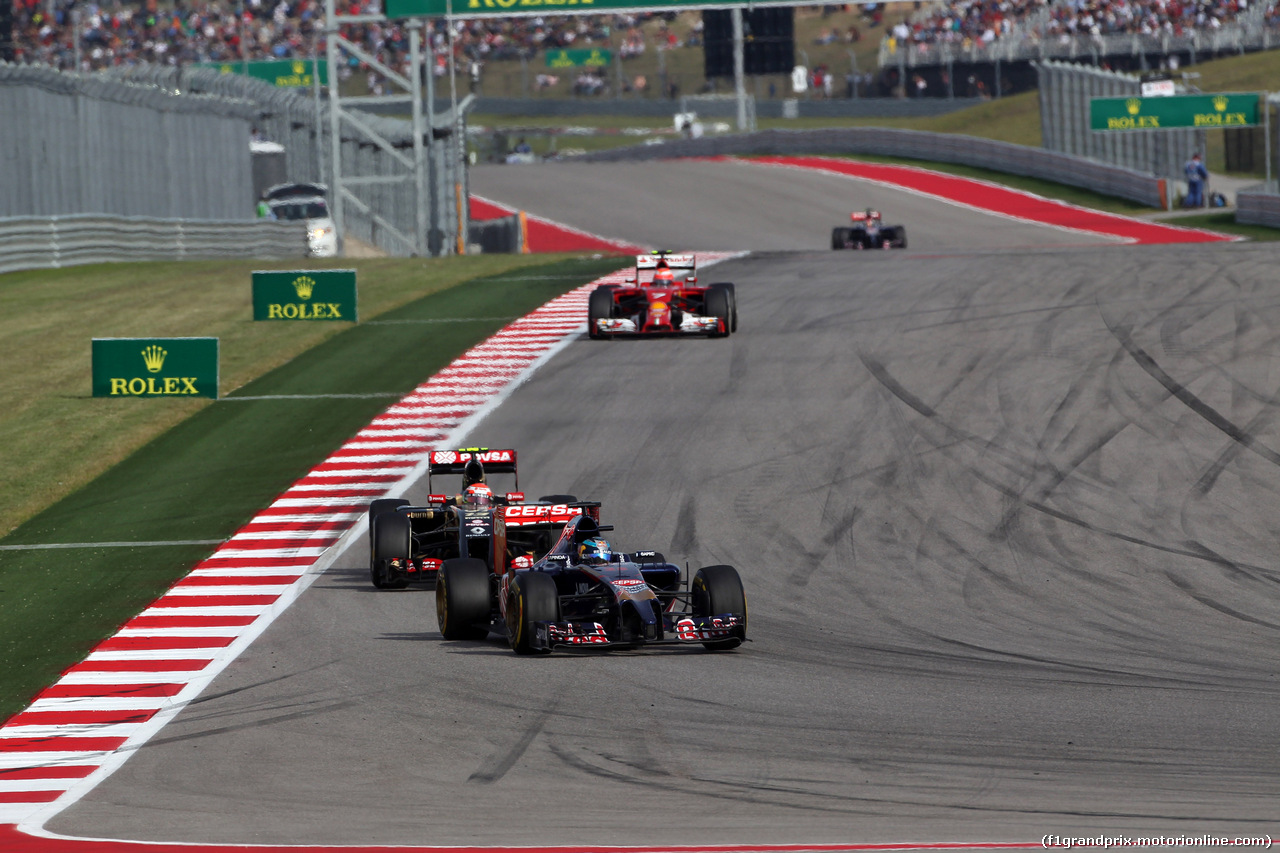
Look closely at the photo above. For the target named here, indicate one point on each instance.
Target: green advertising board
(508, 8)
(575, 58)
(285, 73)
(1174, 112)
(304, 295)
(155, 367)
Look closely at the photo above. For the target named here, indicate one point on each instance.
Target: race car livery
(869, 232)
(562, 601)
(410, 543)
(663, 298)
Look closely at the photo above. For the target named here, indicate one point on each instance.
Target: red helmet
(478, 494)
(664, 275)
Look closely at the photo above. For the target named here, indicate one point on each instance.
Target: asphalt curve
(734, 205)
(1007, 525)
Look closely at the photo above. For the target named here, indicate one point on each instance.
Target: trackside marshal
(304, 295)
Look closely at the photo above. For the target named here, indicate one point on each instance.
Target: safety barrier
(914, 144)
(36, 242)
(1258, 205)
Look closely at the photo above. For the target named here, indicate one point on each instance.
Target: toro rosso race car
(663, 298)
(582, 595)
(409, 543)
(869, 232)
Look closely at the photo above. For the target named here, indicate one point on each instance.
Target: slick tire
(462, 599)
(719, 305)
(839, 238)
(381, 505)
(599, 307)
(902, 237)
(558, 499)
(531, 598)
(390, 537)
(716, 590)
(733, 303)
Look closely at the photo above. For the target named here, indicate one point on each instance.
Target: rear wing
(456, 462)
(675, 262)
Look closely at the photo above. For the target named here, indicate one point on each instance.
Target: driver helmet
(595, 551)
(478, 494)
(664, 275)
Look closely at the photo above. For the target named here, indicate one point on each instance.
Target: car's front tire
(463, 600)
(717, 590)
(531, 598)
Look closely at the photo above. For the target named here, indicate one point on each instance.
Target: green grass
(55, 437)
(205, 476)
(1226, 223)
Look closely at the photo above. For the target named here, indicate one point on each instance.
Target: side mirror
(693, 279)
(631, 280)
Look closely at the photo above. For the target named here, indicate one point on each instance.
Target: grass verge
(55, 437)
(204, 477)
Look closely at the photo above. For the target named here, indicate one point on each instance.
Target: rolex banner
(304, 295)
(155, 367)
(1236, 109)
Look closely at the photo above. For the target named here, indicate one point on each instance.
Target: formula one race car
(410, 543)
(663, 298)
(869, 232)
(581, 595)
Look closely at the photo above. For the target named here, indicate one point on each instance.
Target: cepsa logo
(539, 511)
(153, 357)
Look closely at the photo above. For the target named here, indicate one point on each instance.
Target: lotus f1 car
(663, 298)
(869, 232)
(563, 601)
(409, 543)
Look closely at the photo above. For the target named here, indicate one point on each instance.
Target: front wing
(690, 324)
(677, 629)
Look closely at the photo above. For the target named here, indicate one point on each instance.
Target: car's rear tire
(717, 590)
(902, 236)
(531, 598)
(718, 304)
(839, 237)
(558, 499)
(390, 538)
(463, 600)
(599, 307)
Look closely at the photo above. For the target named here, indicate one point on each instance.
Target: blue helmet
(595, 551)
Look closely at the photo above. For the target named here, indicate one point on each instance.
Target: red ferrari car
(664, 298)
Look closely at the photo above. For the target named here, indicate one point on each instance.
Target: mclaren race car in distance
(581, 595)
(409, 543)
(869, 232)
(663, 298)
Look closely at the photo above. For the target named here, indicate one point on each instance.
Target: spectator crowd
(966, 23)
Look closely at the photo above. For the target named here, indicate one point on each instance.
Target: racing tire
(390, 537)
(733, 303)
(531, 597)
(381, 505)
(718, 305)
(462, 599)
(599, 307)
(902, 237)
(840, 238)
(558, 499)
(716, 590)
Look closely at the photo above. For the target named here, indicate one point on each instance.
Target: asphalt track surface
(1006, 519)
(734, 205)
